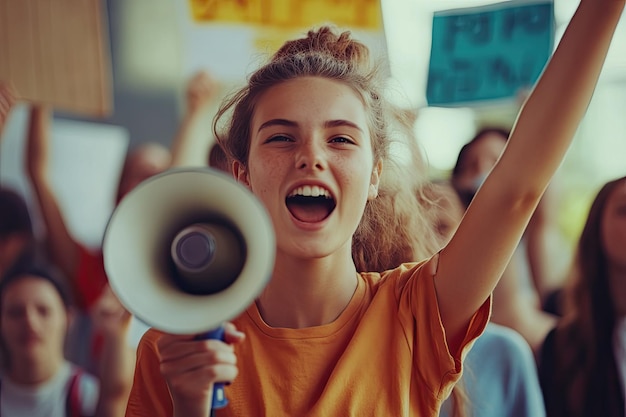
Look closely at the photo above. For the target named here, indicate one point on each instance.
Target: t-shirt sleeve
(90, 278)
(438, 368)
(149, 395)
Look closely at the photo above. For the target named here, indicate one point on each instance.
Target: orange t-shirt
(386, 355)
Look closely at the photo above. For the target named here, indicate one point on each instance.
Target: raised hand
(201, 89)
(110, 316)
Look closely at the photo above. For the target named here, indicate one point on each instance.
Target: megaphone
(187, 250)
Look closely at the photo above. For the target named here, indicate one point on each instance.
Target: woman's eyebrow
(342, 122)
(277, 122)
(290, 123)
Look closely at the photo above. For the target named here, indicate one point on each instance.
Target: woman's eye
(43, 311)
(341, 139)
(14, 312)
(279, 138)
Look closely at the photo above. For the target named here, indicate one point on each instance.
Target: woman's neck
(307, 293)
(33, 372)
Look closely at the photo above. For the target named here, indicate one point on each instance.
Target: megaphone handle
(219, 397)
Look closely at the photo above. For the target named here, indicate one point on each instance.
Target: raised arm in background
(192, 142)
(62, 247)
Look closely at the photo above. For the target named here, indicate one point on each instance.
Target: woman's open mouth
(310, 203)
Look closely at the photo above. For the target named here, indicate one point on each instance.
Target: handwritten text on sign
(489, 52)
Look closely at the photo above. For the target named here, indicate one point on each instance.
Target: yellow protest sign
(362, 14)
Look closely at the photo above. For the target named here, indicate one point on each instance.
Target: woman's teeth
(310, 191)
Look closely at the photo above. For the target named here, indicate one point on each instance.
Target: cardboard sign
(488, 53)
(57, 52)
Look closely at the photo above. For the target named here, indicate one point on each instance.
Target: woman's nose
(30, 319)
(310, 156)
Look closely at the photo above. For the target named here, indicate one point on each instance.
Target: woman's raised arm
(472, 263)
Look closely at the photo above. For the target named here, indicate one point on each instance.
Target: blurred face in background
(478, 159)
(33, 320)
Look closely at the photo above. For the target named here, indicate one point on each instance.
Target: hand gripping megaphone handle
(219, 397)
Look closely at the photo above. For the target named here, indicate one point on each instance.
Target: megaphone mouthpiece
(192, 249)
(207, 257)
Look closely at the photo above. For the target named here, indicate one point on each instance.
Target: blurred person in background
(582, 365)
(531, 276)
(36, 380)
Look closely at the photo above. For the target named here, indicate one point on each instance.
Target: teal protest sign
(488, 53)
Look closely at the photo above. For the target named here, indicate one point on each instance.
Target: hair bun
(327, 40)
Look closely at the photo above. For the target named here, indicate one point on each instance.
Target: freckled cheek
(266, 175)
(354, 180)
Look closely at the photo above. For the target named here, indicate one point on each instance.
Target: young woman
(583, 361)
(308, 137)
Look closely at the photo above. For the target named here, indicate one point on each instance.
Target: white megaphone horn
(187, 250)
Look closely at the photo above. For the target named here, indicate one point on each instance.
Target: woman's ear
(240, 172)
(375, 180)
